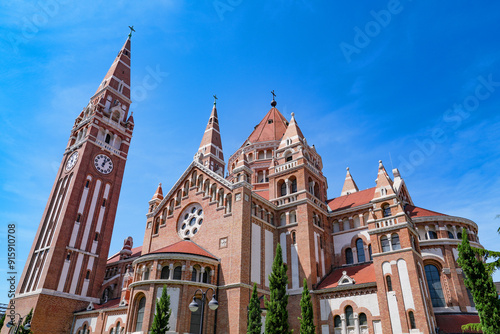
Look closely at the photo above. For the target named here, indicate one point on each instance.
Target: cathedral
(374, 261)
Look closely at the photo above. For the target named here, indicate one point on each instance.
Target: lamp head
(10, 324)
(193, 307)
(213, 304)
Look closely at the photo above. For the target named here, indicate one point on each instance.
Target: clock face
(72, 161)
(103, 164)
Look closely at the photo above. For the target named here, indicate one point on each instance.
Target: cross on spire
(274, 95)
(131, 30)
(215, 99)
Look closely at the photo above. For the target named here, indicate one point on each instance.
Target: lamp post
(213, 304)
(13, 323)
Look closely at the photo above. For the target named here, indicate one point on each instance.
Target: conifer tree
(277, 313)
(480, 282)
(254, 313)
(306, 312)
(27, 320)
(2, 321)
(162, 315)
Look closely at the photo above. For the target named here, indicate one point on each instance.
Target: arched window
(433, 235)
(395, 242)
(450, 235)
(348, 256)
(195, 319)
(146, 274)
(294, 185)
(194, 276)
(411, 316)
(386, 209)
(370, 252)
(459, 235)
(157, 227)
(108, 138)
(360, 250)
(282, 219)
(293, 217)
(384, 242)
(434, 283)
(206, 275)
(349, 316)
(165, 273)
(141, 306)
(178, 272)
(336, 227)
(388, 280)
(337, 323)
(362, 320)
(283, 189)
(294, 238)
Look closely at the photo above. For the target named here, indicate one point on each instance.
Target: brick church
(375, 262)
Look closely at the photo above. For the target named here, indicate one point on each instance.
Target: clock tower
(66, 264)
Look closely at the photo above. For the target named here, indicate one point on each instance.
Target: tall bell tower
(66, 264)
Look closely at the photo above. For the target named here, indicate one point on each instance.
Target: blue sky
(413, 83)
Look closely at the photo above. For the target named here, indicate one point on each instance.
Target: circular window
(191, 220)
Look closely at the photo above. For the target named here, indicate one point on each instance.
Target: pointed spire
(349, 184)
(383, 181)
(159, 193)
(271, 127)
(118, 77)
(292, 133)
(210, 148)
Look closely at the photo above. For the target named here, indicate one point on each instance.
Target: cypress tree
(306, 312)
(480, 282)
(162, 315)
(277, 313)
(254, 313)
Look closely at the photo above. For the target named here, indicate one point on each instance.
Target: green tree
(27, 320)
(478, 278)
(306, 312)
(2, 321)
(162, 315)
(277, 313)
(254, 313)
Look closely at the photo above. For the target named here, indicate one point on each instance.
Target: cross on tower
(215, 99)
(131, 29)
(274, 95)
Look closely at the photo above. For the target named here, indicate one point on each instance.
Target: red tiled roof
(272, 127)
(452, 323)
(362, 273)
(415, 211)
(185, 247)
(135, 253)
(352, 200)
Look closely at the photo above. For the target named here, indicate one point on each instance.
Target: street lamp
(213, 304)
(13, 323)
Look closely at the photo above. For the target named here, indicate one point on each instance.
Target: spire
(117, 80)
(349, 185)
(159, 193)
(292, 133)
(210, 150)
(383, 181)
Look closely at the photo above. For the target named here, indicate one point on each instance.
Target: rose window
(190, 221)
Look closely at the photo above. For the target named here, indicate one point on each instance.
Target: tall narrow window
(337, 322)
(360, 250)
(140, 314)
(87, 184)
(389, 283)
(349, 316)
(348, 256)
(178, 272)
(411, 316)
(395, 242)
(434, 283)
(194, 276)
(108, 138)
(87, 276)
(362, 320)
(294, 186)
(165, 273)
(370, 252)
(206, 275)
(386, 209)
(294, 238)
(283, 189)
(384, 242)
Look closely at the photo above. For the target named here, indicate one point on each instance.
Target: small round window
(191, 220)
